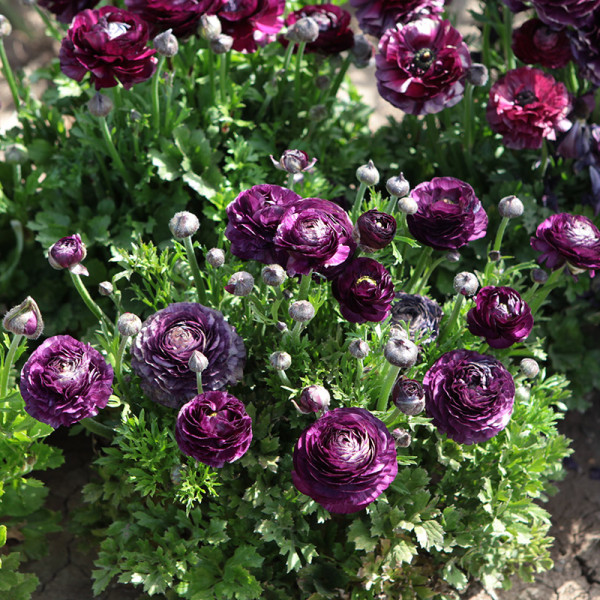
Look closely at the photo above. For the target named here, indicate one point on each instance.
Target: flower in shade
(345, 460)
(500, 316)
(515, 5)
(315, 234)
(565, 12)
(571, 239)
(374, 230)
(526, 106)
(585, 44)
(24, 319)
(375, 16)
(65, 10)
(536, 43)
(214, 428)
(469, 396)
(422, 314)
(421, 66)
(162, 350)
(68, 253)
(364, 289)
(64, 381)
(110, 44)
(449, 214)
(253, 220)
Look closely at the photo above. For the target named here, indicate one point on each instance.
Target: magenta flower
(65, 10)
(536, 43)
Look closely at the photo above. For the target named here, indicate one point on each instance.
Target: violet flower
(565, 12)
(374, 230)
(68, 253)
(422, 314)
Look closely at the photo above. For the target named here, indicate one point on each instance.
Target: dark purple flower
(64, 381)
(449, 215)
(313, 398)
(500, 316)
(526, 106)
(585, 45)
(515, 6)
(345, 460)
(469, 396)
(408, 396)
(316, 234)
(162, 350)
(214, 428)
(422, 314)
(68, 253)
(65, 10)
(365, 291)
(110, 44)
(375, 16)
(536, 43)
(374, 230)
(294, 161)
(253, 220)
(421, 66)
(565, 12)
(571, 239)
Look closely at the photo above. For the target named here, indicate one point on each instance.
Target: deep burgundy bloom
(253, 220)
(536, 43)
(65, 10)
(375, 16)
(64, 381)
(565, 238)
(345, 460)
(526, 106)
(374, 230)
(449, 216)
(469, 396)
(421, 66)
(422, 314)
(335, 34)
(500, 316)
(162, 349)
(68, 253)
(251, 23)
(110, 44)
(365, 291)
(565, 12)
(214, 428)
(316, 234)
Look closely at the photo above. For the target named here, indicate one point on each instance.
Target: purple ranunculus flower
(345, 460)
(24, 319)
(65, 10)
(536, 43)
(585, 45)
(162, 349)
(214, 428)
(422, 314)
(571, 239)
(374, 230)
(365, 291)
(375, 16)
(469, 396)
(253, 220)
(566, 12)
(500, 316)
(449, 214)
(294, 161)
(64, 381)
(110, 44)
(68, 253)
(316, 234)
(421, 66)
(527, 105)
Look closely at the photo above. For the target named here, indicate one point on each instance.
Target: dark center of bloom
(545, 38)
(449, 201)
(476, 376)
(422, 60)
(525, 97)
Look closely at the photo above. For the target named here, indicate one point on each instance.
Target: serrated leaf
(358, 533)
(430, 534)
(454, 576)
(199, 185)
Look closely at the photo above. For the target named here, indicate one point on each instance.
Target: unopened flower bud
(100, 105)
(305, 29)
(397, 186)
(401, 437)
(68, 253)
(368, 174)
(453, 256)
(477, 74)
(539, 276)
(510, 207)
(466, 283)
(408, 396)
(129, 324)
(494, 255)
(273, 275)
(221, 44)
(105, 288)
(197, 362)
(362, 51)
(184, 224)
(318, 112)
(281, 326)
(166, 43)
(323, 82)
(359, 349)
(401, 353)
(530, 368)
(398, 332)
(280, 361)
(240, 284)
(313, 398)
(522, 394)
(293, 161)
(210, 27)
(407, 205)
(135, 116)
(215, 257)
(24, 319)
(5, 27)
(15, 154)
(302, 311)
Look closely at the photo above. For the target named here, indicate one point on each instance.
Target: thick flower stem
(420, 266)
(290, 182)
(453, 318)
(156, 96)
(541, 295)
(500, 234)
(360, 194)
(10, 78)
(189, 250)
(339, 78)
(85, 296)
(10, 357)
(284, 378)
(112, 150)
(391, 205)
(389, 378)
(199, 383)
(428, 271)
(119, 359)
(97, 428)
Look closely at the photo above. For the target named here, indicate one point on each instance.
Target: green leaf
(199, 185)
(358, 533)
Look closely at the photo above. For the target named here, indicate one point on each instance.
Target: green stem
(359, 372)
(500, 234)
(199, 382)
(112, 150)
(304, 286)
(468, 117)
(339, 78)
(453, 318)
(389, 378)
(223, 77)
(10, 78)
(428, 271)
(54, 32)
(545, 290)
(360, 194)
(425, 254)
(156, 96)
(119, 358)
(10, 357)
(507, 38)
(391, 205)
(97, 428)
(287, 57)
(290, 181)
(191, 255)
(85, 296)
(298, 74)
(211, 75)
(284, 378)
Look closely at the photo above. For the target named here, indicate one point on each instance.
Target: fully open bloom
(421, 66)
(374, 230)
(469, 396)
(64, 381)
(65, 10)
(566, 12)
(110, 44)
(345, 460)
(68, 253)
(536, 43)
(500, 316)
(168, 338)
(422, 314)
(526, 106)
(449, 214)
(214, 428)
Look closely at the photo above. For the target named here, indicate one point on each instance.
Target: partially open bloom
(293, 161)
(313, 398)
(374, 230)
(162, 350)
(214, 428)
(68, 253)
(24, 319)
(64, 381)
(65, 10)
(408, 396)
(469, 396)
(345, 460)
(536, 43)
(422, 314)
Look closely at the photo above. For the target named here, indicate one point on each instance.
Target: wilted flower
(161, 352)
(469, 396)
(565, 12)
(408, 396)
(64, 381)
(294, 161)
(68, 253)
(345, 460)
(374, 230)
(536, 43)
(214, 428)
(422, 314)
(65, 10)
(24, 319)
(313, 398)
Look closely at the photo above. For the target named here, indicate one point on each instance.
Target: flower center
(423, 60)
(367, 279)
(113, 29)
(525, 97)
(179, 338)
(583, 234)
(314, 230)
